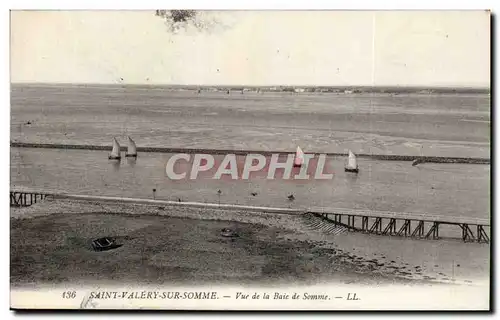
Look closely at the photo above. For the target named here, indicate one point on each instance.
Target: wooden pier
(25, 199)
(405, 225)
(412, 225)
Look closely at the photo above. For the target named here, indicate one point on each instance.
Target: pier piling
(382, 223)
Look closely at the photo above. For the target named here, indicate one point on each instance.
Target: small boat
(132, 149)
(299, 158)
(228, 233)
(115, 153)
(420, 159)
(104, 244)
(352, 164)
(417, 162)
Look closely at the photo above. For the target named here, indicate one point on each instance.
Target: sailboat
(115, 153)
(416, 162)
(299, 158)
(420, 159)
(352, 164)
(132, 149)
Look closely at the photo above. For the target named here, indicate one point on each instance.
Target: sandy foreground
(50, 244)
(180, 250)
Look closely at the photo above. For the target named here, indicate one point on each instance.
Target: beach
(50, 245)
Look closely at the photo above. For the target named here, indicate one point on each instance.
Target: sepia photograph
(250, 160)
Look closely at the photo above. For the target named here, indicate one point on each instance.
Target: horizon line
(262, 86)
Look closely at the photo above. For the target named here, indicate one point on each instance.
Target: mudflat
(51, 244)
(445, 125)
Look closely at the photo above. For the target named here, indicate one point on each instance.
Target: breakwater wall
(245, 152)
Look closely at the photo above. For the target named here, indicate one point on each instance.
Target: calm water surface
(439, 189)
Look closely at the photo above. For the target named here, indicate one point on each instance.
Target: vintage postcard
(250, 160)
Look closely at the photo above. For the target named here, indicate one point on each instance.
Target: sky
(336, 48)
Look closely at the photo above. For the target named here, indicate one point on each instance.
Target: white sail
(351, 161)
(132, 149)
(299, 157)
(115, 153)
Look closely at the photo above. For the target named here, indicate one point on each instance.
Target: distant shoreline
(275, 88)
(245, 152)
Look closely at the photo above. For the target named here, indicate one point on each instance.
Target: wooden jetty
(413, 225)
(422, 226)
(25, 199)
